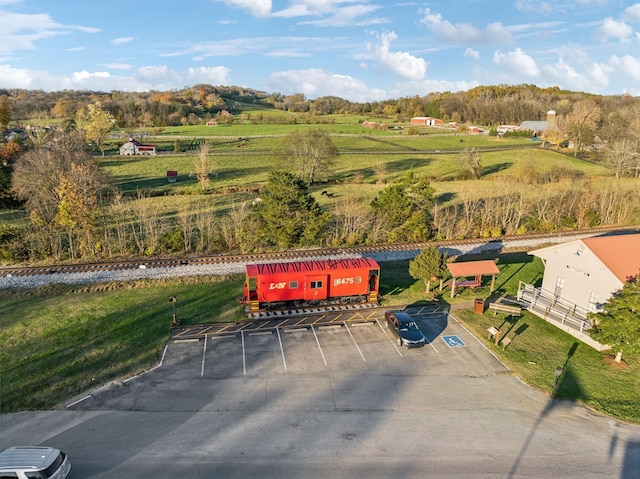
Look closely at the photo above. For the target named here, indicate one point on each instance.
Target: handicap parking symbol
(453, 341)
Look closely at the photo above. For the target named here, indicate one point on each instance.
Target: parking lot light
(173, 300)
(558, 374)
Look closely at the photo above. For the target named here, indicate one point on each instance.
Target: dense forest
(484, 105)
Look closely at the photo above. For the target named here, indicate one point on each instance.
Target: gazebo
(475, 269)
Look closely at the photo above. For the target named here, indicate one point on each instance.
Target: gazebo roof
(472, 268)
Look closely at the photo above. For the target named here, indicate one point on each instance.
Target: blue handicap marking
(453, 341)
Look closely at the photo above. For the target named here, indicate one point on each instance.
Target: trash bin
(478, 306)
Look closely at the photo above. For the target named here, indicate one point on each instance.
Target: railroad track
(504, 241)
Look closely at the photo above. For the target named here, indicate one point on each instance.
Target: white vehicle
(34, 462)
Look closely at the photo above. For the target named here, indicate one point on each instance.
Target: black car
(405, 329)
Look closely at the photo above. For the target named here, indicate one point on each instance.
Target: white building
(579, 277)
(586, 272)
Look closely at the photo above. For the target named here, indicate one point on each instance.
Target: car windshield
(408, 326)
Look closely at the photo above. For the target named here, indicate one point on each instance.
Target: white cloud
(257, 8)
(517, 62)
(333, 13)
(119, 66)
(464, 33)
(214, 75)
(470, 52)
(19, 31)
(627, 65)
(75, 49)
(534, 6)
(402, 64)
(632, 13)
(611, 28)
(315, 83)
(121, 40)
(581, 75)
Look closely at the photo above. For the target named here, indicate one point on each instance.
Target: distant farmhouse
(426, 121)
(580, 277)
(134, 147)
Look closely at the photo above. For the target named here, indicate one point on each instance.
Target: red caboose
(276, 285)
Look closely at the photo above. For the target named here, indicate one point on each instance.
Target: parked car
(34, 462)
(405, 329)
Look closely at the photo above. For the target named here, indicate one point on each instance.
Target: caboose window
(358, 279)
(316, 284)
(293, 285)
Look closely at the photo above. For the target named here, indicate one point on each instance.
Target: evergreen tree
(406, 207)
(429, 264)
(619, 324)
(287, 215)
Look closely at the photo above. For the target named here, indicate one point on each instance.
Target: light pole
(173, 300)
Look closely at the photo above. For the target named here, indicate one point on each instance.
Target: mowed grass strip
(57, 343)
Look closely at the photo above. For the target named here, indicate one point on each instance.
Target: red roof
(472, 268)
(619, 253)
(310, 266)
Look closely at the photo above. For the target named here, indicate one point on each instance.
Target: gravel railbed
(35, 281)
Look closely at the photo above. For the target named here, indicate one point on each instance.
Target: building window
(594, 302)
(559, 285)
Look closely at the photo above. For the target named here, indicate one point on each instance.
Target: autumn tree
(203, 166)
(428, 266)
(101, 122)
(581, 122)
(6, 112)
(618, 325)
(472, 161)
(308, 154)
(622, 156)
(60, 190)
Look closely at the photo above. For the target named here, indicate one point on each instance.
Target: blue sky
(360, 50)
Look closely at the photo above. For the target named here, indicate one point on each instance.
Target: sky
(359, 50)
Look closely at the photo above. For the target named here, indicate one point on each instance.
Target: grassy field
(60, 342)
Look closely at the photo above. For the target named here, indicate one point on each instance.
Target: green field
(62, 341)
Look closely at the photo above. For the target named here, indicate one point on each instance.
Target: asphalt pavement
(341, 400)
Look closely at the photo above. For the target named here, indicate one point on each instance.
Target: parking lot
(328, 397)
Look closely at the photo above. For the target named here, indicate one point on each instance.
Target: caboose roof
(310, 266)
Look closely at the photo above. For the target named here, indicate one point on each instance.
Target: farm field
(364, 167)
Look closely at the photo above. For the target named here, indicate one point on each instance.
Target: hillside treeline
(484, 105)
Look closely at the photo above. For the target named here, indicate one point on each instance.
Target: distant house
(369, 124)
(502, 129)
(134, 147)
(212, 123)
(586, 272)
(426, 121)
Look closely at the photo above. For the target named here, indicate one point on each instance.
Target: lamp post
(558, 374)
(173, 300)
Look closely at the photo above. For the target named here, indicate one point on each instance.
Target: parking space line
(225, 327)
(284, 360)
(204, 353)
(384, 331)
(302, 320)
(320, 318)
(319, 347)
(244, 358)
(354, 341)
